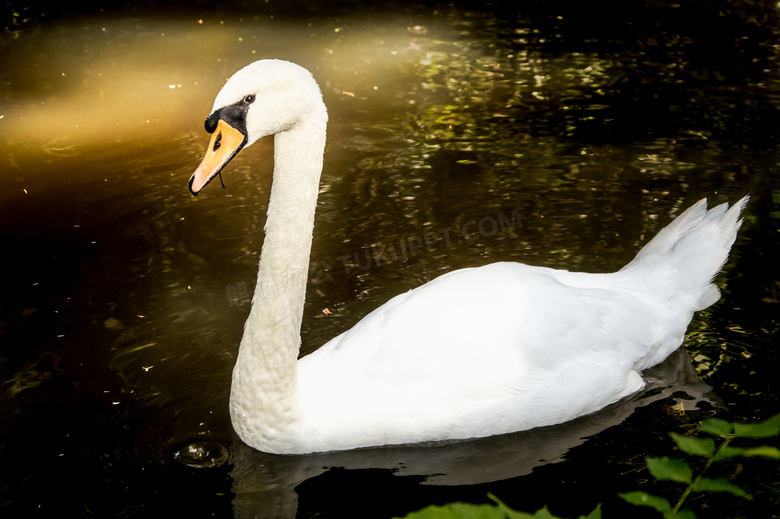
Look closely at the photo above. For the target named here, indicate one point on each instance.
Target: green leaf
(762, 451)
(716, 427)
(696, 446)
(670, 469)
(765, 429)
(728, 452)
(659, 504)
(595, 514)
(461, 511)
(509, 512)
(544, 514)
(680, 514)
(718, 485)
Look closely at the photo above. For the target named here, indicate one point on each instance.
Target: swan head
(264, 98)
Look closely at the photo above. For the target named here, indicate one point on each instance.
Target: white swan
(473, 353)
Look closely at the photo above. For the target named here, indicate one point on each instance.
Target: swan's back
(508, 346)
(525, 351)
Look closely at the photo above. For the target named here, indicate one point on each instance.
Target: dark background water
(123, 297)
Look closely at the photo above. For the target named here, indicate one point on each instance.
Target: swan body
(476, 352)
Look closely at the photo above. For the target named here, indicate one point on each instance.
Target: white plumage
(473, 353)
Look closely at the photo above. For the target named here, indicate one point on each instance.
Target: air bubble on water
(202, 454)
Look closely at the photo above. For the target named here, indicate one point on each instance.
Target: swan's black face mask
(234, 115)
(227, 127)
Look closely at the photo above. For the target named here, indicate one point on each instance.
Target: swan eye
(249, 99)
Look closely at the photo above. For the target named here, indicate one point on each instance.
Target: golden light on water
(111, 83)
(119, 85)
(87, 83)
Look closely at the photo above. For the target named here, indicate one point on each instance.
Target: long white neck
(264, 393)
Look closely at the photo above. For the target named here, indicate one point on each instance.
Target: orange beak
(226, 141)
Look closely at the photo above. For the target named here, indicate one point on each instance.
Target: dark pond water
(123, 297)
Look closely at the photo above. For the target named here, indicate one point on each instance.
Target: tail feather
(695, 246)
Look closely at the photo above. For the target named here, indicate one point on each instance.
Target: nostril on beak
(217, 142)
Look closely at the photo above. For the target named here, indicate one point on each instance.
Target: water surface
(459, 135)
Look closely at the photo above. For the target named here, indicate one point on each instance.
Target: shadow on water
(123, 297)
